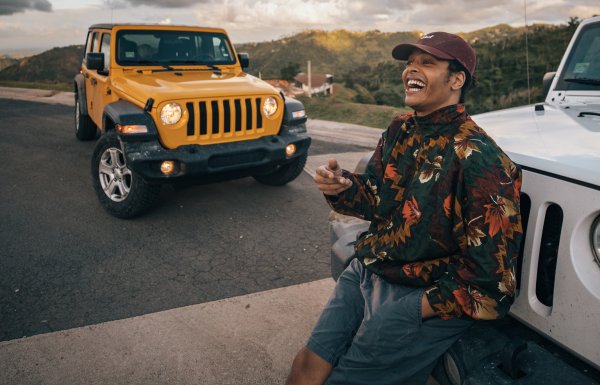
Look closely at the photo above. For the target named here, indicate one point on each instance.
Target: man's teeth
(415, 85)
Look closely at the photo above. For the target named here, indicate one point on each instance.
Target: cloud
(8, 7)
(246, 18)
(263, 20)
(165, 3)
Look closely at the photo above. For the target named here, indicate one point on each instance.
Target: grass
(339, 107)
(37, 85)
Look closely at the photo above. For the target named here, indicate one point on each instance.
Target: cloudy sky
(43, 24)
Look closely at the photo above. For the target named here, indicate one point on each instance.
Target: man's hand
(329, 179)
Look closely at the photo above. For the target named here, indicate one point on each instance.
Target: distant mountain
(7, 62)
(329, 51)
(340, 51)
(57, 65)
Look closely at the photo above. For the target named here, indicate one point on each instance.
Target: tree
(290, 71)
(573, 22)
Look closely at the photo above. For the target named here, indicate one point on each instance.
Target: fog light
(167, 167)
(290, 150)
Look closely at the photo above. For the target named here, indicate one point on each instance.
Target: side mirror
(244, 59)
(94, 61)
(547, 82)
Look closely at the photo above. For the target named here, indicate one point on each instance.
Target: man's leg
(393, 344)
(334, 330)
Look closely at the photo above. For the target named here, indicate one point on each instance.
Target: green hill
(6, 62)
(362, 61)
(329, 51)
(53, 67)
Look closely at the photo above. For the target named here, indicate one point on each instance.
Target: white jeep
(552, 335)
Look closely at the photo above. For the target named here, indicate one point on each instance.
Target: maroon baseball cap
(442, 45)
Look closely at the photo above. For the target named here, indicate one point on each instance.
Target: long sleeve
(362, 198)
(488, 227)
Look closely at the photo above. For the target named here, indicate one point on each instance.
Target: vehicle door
(91, 46)
(98, 93)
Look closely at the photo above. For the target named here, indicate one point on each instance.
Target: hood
(189, 84)
(561, 140)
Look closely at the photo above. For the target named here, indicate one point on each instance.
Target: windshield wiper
(155, 63)
(590, 81)
(213, 67)
(167, 67)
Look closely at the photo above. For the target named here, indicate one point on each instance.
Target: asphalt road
(64, 262)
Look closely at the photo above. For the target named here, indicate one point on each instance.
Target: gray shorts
(372, 332)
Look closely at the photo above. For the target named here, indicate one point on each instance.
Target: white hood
(556, 140)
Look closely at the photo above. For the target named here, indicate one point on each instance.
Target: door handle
(94, 81)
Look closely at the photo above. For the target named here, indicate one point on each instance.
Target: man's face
(428, 84)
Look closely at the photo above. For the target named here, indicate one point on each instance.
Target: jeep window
(105, 49)
(94, 43)
(88, 44)
(152, 47)
(582, 69)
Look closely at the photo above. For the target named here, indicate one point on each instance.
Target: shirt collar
(444, 117)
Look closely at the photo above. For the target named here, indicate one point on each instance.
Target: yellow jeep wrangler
(173, 103)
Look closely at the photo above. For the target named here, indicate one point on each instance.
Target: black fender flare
(79, 90)
(124, 113)
(292, 105)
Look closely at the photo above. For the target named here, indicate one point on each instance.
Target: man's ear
(458, 80)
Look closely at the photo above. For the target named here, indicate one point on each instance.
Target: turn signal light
(290, 150)
(132, 129)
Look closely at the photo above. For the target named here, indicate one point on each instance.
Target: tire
(121, 192)
(85, 129)
(449, 370)
(284, 174)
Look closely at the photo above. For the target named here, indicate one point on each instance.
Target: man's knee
(308, 369)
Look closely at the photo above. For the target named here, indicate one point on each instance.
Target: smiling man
(443, 202)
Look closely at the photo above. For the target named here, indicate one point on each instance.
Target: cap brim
(403, 51)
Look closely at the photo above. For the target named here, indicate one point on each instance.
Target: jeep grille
(220, 118)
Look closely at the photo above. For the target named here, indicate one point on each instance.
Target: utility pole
(309, 81)
(527, 53)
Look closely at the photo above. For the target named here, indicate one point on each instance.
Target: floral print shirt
(443, 201)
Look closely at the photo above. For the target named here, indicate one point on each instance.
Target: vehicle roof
(589, 20)
(157, 26)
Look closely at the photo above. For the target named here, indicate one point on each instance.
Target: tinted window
(582, 68)
(173, 47)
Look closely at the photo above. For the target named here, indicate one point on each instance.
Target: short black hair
(454, 66)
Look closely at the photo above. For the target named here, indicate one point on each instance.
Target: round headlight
(595, 237)
(270, 106)
(170, 113)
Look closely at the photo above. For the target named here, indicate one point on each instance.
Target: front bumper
(216, 161)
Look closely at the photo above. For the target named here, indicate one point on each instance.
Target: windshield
(582, 70)
(164, 48)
